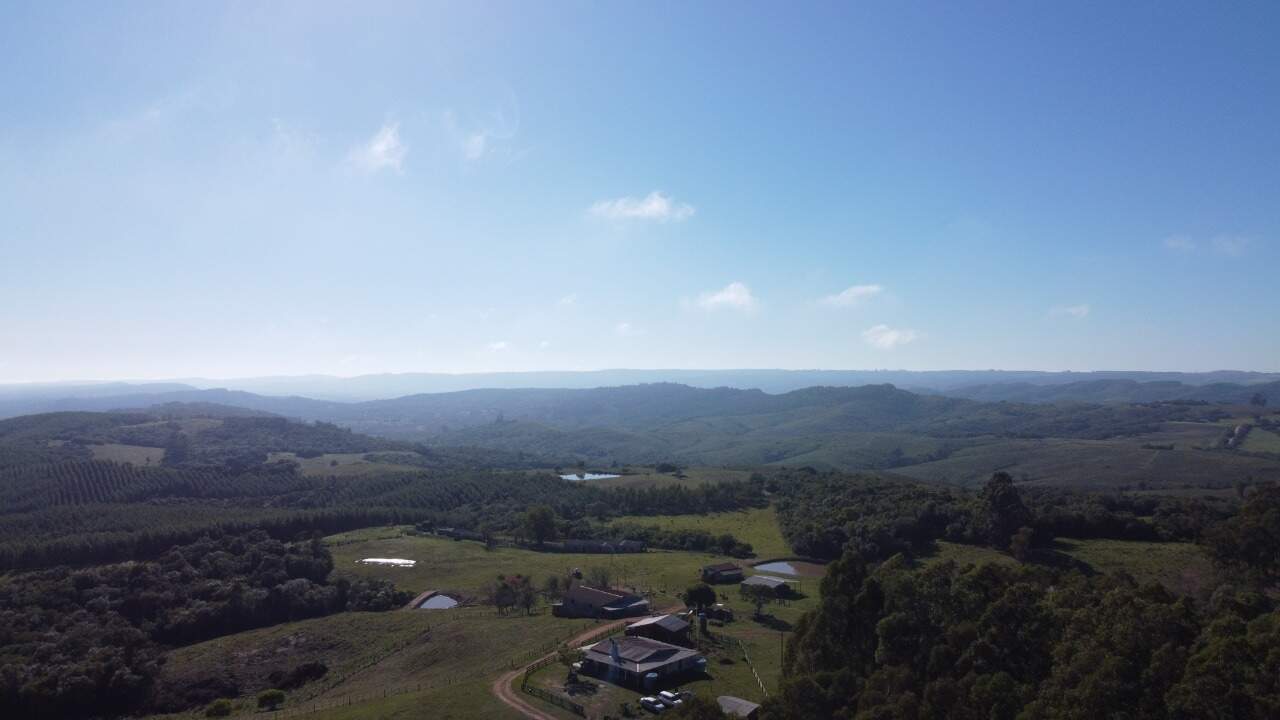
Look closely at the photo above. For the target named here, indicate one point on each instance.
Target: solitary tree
(1002, 511)
(540, 523)
(1020, 544)
(757, 595)
(699, 596)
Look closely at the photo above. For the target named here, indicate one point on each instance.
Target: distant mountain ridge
(393, 385)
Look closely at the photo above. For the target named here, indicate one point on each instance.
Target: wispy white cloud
(498, 346)
(883, 337)
(1179, 244)
(567, 300)
(488, 135)
(1232, 245)
(1075, 311)
(384, 150)
(626, 329)
(654, 206)
(544, 344)
(852, 296)
(734, 296)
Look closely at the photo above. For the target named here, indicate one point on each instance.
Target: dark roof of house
(670, 623)
(603, 597)
(736, 705)
(766, 580)
(638, 654)
(721, 567)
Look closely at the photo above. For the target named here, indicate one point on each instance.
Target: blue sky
(232, 189)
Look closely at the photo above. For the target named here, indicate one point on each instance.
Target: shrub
(270, 699)
(218, 708)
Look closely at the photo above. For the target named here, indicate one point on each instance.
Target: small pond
(589, 476)
(438, 602)
(796, 568)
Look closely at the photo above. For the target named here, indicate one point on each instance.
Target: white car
(670, 699)
(652, 704)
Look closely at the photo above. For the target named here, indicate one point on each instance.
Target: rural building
(776, 584)
(584, 601)
(667, 628)
(586, 546)
(597, 546)
(631, 546)
(737, 707)
(628, 660)
(459, 533)
(722, 572)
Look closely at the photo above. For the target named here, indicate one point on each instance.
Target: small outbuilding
(722, 573)
(737, 707)
(582, 601)
(779, 586)
(667, 628)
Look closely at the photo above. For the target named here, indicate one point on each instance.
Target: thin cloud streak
(655, 206)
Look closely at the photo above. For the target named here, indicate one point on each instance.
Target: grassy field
(1181, 567)
(135, 454)
(340, 464)
(381, 664)
(464, 567)
(1260, 440)
(446, 660)
(967, 554)
(758, 526)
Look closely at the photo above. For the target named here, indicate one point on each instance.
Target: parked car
(652, 704)
(670, 699)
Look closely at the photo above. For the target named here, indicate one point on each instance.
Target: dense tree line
(1027, 642)
(823, 513)
(89, 642)
(891, 639)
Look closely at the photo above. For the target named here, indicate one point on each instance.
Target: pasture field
(758, 526)
(1181, 567)
(381, 665)
(341, 464)
(135, 454)
(446, 660)
(464, 567)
